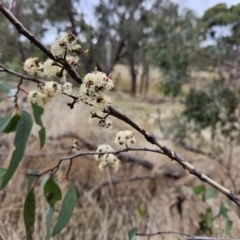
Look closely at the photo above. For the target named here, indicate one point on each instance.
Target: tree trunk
(133, 72)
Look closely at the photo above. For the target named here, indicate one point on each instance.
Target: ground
(111, 203)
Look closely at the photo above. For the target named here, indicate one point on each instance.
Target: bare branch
(22, 30)
(209, 238)
(190, 237)
(7, 70)
(125, 157)
(174, 156)
(165, 232)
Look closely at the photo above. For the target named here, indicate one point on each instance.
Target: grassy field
(111, 203)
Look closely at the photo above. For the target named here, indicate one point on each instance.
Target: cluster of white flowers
(45, 93)
(105, 158)
(105, 124)
(67, 88)
(125, 137)
(51, 69)
(65, 43)
(94, 89)
(33, 66)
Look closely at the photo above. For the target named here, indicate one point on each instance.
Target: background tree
(172, 33)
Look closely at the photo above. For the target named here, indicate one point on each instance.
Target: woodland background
(177, 75)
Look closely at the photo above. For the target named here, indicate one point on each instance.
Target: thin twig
(69, 168)
(7, 70)
(54, 169)
(164, 232)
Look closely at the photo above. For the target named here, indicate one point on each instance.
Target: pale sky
(200, 6)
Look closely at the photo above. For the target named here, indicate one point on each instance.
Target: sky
(200, 6)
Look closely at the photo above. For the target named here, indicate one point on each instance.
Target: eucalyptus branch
(209, 238)
(75, 99)
(165, 232)
(22, 30)
(189, 236)
(124, 157)
(174, 156)
(54, 169)
(16, 95)
(7, 70)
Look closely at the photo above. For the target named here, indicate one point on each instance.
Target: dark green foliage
(206, 222)
(29, 213)
(132, 234)
(204, 107)
(220, 15)
(52, 192)
(66, 211)
(199, 189)
(20, 141)
(201, 108)
(171, 33)
(4, 121)
(12, 125)
(37, 113)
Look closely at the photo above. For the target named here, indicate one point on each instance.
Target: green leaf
(66, 211)
(132, 234)
(211, 193)
(52, 192)
(29, 213)
(209, 221)
(37, 113)
(12, 125)
(228, 226)
(4, 122)
(31, 179)
(223, 211)
(2, 173)
(199, 189)
(48, 219)
(44, 180)
(20, 141)
(6, 87)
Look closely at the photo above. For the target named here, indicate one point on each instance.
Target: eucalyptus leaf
(132, 234)
(66, 211)
(52, 192)
(37, 113)
(20, 141)
(29, 213)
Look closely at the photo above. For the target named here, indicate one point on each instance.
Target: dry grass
(110, 211)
